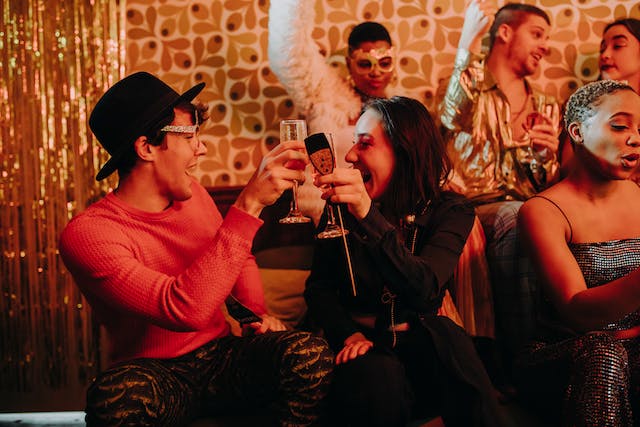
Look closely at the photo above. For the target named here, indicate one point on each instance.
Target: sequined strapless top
(603, 262)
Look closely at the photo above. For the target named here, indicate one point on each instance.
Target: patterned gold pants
(288, 371)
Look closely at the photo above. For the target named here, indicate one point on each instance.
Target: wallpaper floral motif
(224, 44)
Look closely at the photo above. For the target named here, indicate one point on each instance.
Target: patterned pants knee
(289, 371)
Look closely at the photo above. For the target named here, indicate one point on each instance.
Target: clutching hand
(543, 136)
(345, 186)
(268, 324)
(275, 174)
(355, 345)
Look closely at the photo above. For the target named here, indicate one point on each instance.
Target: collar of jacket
(490, 83)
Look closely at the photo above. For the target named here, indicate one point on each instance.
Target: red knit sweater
(157, 281)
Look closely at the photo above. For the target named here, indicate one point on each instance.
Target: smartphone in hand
(240, 312)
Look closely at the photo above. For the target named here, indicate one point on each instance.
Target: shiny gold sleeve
(456, 105)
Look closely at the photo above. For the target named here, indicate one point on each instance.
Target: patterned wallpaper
(224, 43)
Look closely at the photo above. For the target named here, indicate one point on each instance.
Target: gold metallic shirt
(489, 165)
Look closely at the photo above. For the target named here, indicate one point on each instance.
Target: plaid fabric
(289, 371)
(515, 291)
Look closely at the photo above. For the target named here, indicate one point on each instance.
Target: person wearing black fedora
(156, 261)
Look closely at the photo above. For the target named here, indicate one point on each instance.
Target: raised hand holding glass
(321, 154)
(294, 130)
(534, 118)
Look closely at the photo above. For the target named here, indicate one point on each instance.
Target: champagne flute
(294, 130)
(535, 118)
(322, 155)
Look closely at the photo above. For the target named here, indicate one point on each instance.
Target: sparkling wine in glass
(322, 157)
(540, 109)
(294, 130)
(321, 154)
(534, 118)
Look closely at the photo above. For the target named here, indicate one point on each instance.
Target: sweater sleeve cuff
(242, 223)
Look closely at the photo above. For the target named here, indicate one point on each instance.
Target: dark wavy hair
(156, 136)
(422, 163)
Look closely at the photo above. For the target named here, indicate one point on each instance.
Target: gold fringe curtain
(56, 59)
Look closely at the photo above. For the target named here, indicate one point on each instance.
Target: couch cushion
(283, 293)
(284, 271)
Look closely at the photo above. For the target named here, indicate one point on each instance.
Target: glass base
(295, 219)
(332, 232)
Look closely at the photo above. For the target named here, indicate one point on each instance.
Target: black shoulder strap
(561, 211)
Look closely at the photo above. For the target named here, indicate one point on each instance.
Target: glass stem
(294, 205)
(331, 220)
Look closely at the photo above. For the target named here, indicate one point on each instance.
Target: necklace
(389, 297)
(516, 114)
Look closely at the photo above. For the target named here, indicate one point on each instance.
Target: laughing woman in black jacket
(397, 359)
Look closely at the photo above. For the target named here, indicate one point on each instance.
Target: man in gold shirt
(502, 137)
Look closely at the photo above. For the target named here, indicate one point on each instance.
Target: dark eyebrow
(362, 135)
(624, 114)
(620, 36)
(616, 37)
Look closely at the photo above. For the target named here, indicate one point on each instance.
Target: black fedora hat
(128, 109)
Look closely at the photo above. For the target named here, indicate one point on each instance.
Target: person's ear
(505, 33)
(575, 132)
(144, 150)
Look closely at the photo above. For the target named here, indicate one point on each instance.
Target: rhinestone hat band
(182, 129)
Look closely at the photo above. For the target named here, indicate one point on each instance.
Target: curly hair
(581, 104)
